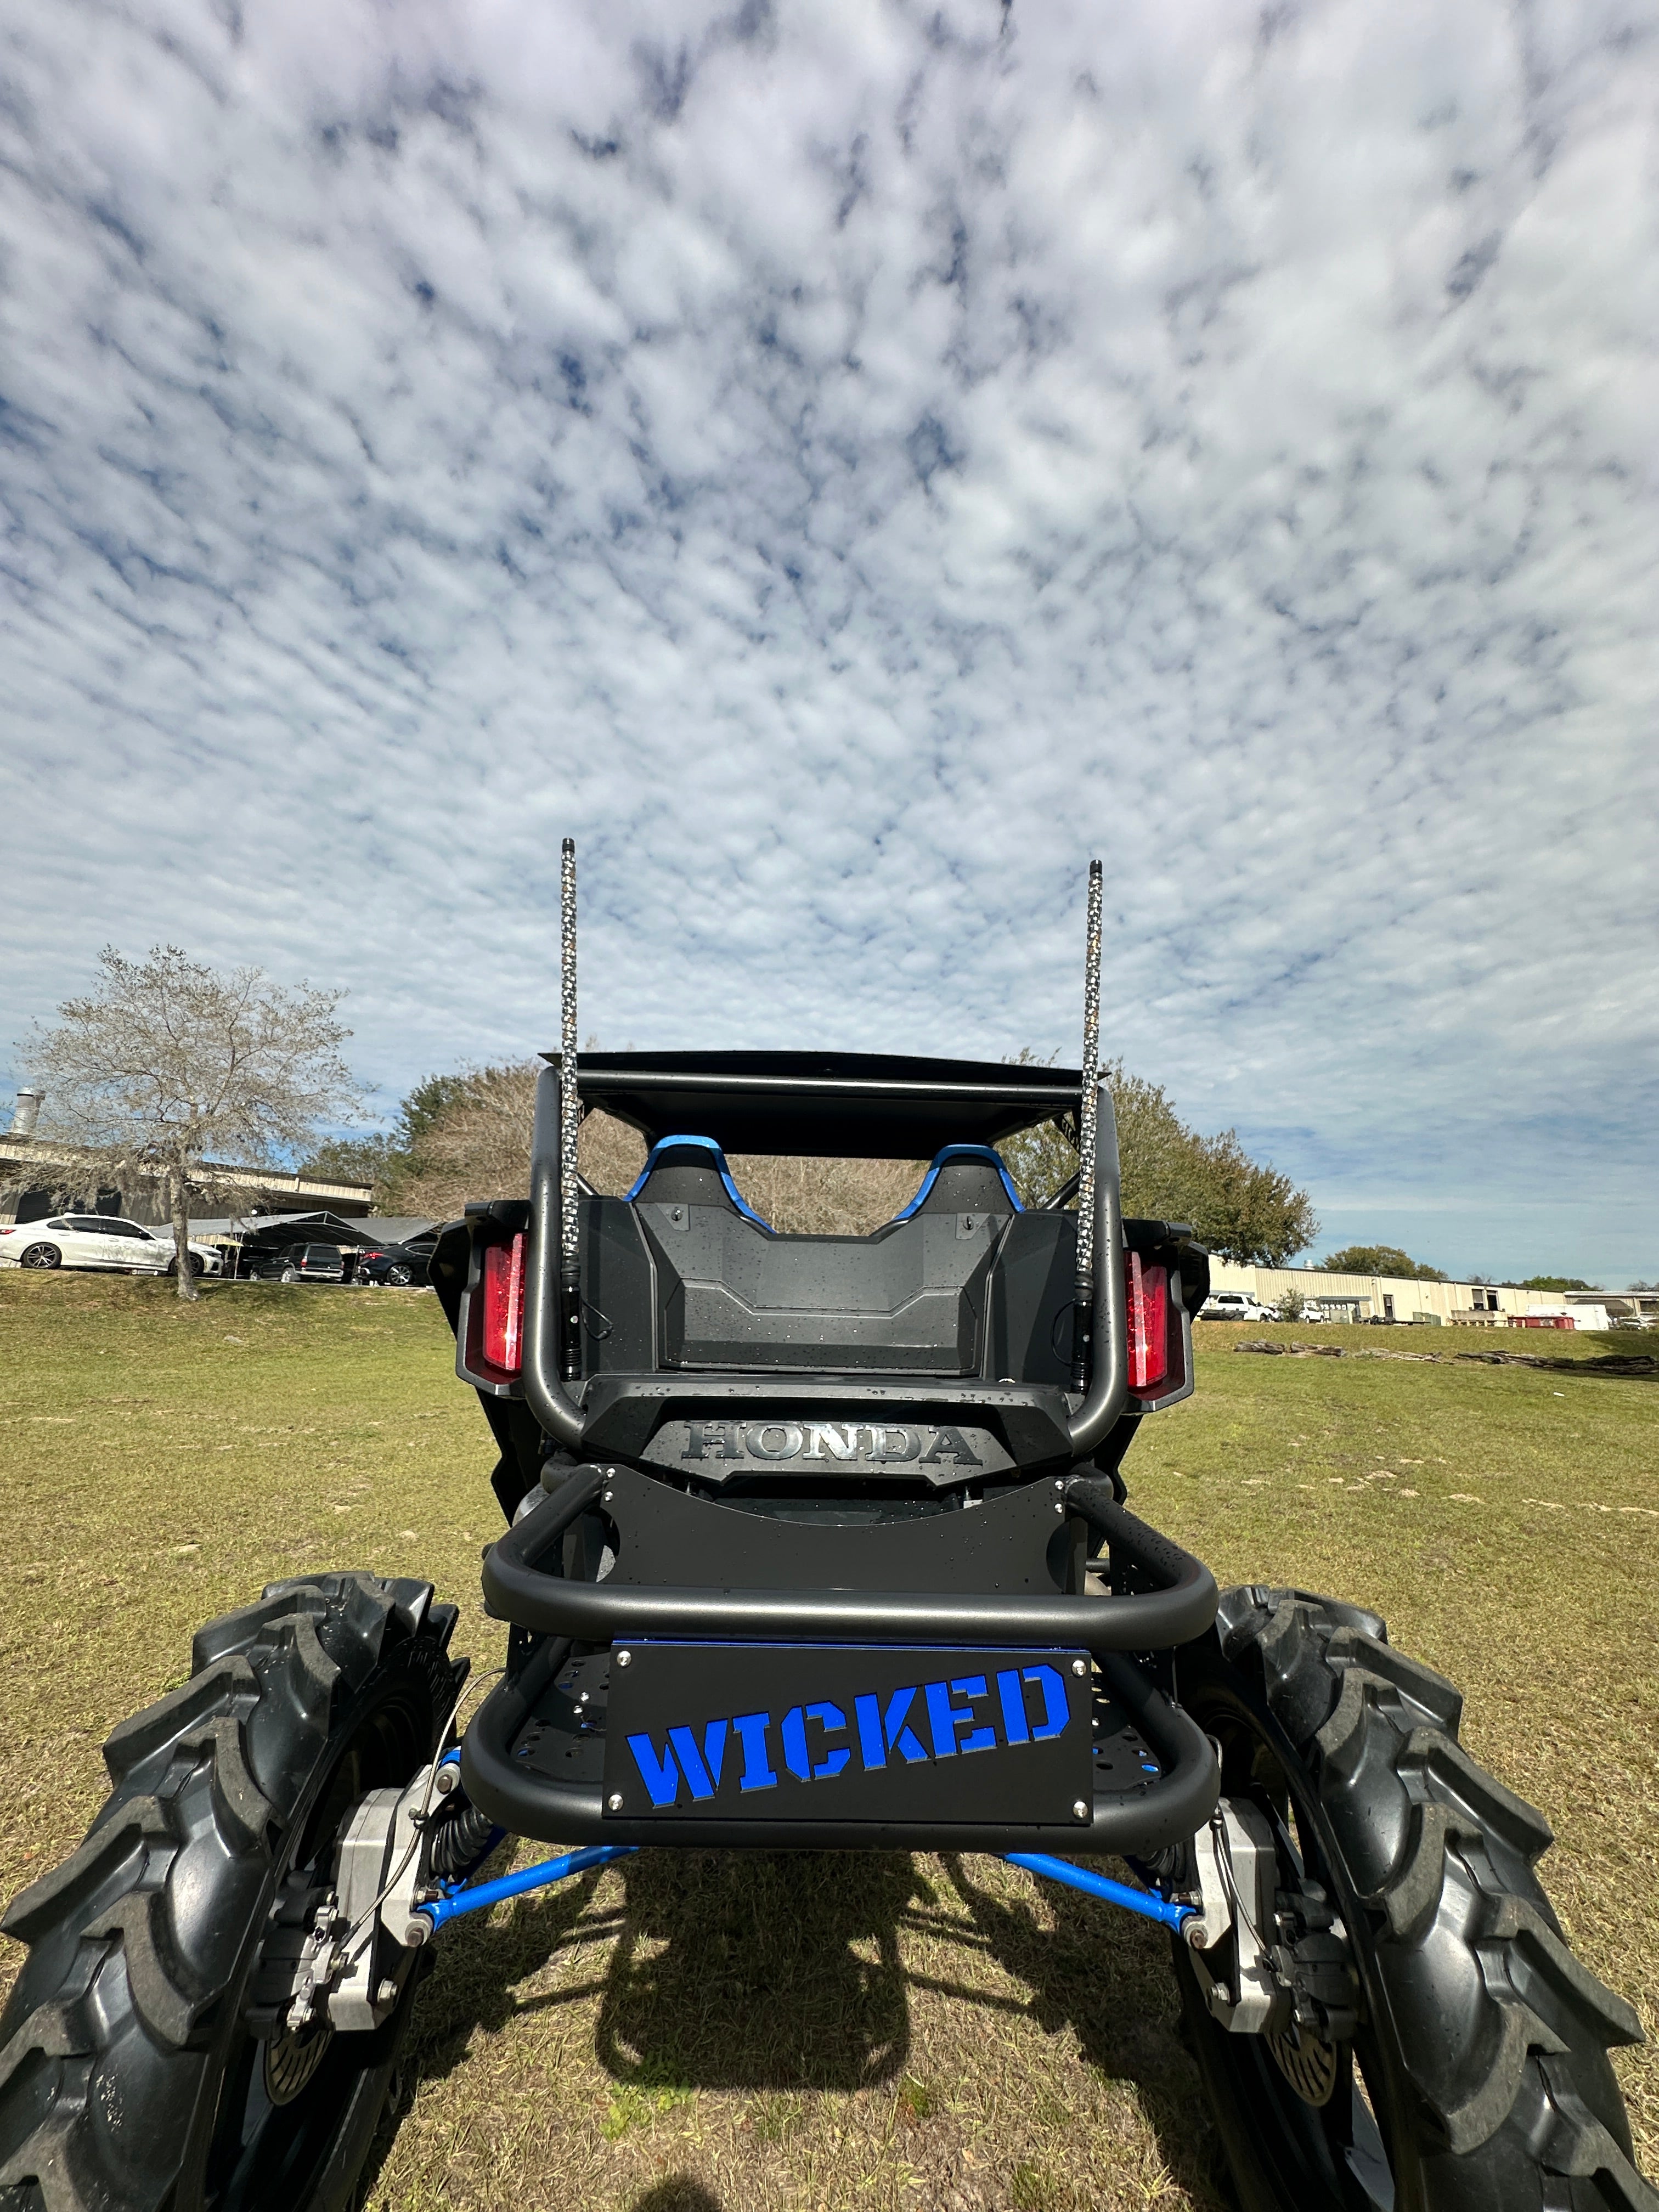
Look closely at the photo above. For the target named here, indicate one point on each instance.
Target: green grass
(712, 2033)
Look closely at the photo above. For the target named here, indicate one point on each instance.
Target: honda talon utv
(814, 1542)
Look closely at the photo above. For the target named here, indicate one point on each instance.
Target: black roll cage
(1088, 1422)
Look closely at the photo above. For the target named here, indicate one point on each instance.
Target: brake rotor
(291, 2059)
(1310, 2066)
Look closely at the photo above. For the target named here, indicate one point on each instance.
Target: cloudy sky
(846, 465)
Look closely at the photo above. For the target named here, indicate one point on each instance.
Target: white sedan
(98, 1240)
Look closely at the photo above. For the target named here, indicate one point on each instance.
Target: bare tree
(477, 1144)
(168, 1069)
(474, 1140)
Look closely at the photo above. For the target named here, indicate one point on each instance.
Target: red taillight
(503, 1305)
(1149, 1323)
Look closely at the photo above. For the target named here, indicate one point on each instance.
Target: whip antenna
(570, 1295)
(1088, 1116)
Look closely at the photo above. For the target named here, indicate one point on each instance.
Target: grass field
(716, 2033)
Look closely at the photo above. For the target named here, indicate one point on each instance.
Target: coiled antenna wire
(1087, 1121)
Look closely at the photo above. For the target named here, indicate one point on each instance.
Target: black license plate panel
(848, 1732)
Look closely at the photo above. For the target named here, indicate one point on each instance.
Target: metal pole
(1088, 1109)
(570, 1295)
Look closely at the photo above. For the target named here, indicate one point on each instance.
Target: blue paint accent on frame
(478, 1898)
(483, 1895)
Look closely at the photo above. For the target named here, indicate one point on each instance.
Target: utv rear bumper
(530, 1763)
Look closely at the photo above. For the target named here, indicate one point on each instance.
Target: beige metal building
(1468, 1305)
(37, 1179)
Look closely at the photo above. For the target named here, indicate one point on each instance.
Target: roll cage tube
(563, 1418)
(1108, 1384)
(544, 1390)
(1180, 1608)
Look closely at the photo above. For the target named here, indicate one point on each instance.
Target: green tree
(1381, 1260)
(407, 1166)
(1557, 1283)
(1240, 1208)
(431, 1103)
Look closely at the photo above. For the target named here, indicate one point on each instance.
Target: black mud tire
(129, 2078)
(41, 1255)
(1477, 2077)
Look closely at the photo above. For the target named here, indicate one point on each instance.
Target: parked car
(396, 1264)
(1234, 1305)
(99, 1240)
(297, 1263)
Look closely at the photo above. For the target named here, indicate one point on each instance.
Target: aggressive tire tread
(1518, 2104)
(1441, 1700)
(158, 1981)
(139, 1825)
(134, 1740)
(123, 1971)
(1497, 1809)
(1577, 2145)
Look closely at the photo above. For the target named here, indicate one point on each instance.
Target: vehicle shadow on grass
(785, 1973)
(1106, 1975)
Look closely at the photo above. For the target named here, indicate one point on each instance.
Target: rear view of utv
(814, 1543)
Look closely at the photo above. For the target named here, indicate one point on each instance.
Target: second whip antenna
(570, 1290)
(1082, 1313)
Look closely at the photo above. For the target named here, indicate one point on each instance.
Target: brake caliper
(1236, 1868)
(1270, 1961)
(340, 1953)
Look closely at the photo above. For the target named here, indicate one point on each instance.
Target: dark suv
(299, 1263)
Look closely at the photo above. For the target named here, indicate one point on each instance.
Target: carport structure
(262, 1235)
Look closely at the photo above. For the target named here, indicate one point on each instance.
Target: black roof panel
(863, 1105)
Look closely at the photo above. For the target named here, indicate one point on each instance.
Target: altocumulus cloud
(845, 466)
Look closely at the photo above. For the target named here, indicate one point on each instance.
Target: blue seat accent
(706, 1145)
(943, 1159)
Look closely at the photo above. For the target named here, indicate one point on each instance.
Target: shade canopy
(273, 1231)
(824, 1104)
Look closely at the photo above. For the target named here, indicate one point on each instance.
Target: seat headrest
(965, 1179)
(691, 1171)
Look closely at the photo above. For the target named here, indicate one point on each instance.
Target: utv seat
(964, 1179)
(733, 1295)
(690, 1171)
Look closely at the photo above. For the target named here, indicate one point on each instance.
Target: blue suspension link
(1147, 1903)
(483, 1894)
(459, 1898)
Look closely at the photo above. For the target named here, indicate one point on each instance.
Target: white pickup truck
(1234, 1305)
